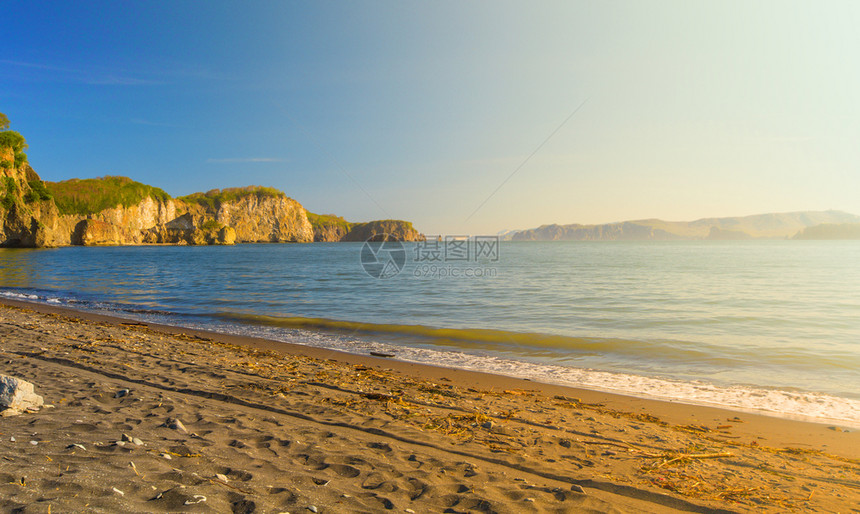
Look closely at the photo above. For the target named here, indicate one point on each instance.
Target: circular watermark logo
(382, 256)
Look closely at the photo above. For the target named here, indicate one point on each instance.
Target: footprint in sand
(345, 471)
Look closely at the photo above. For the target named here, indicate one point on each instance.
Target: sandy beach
(146, 418)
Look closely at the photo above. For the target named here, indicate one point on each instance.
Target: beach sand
(273, 427)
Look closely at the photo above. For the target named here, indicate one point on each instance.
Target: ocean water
(763, 326)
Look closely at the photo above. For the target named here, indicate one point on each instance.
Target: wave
(564, 347)
(774, 401)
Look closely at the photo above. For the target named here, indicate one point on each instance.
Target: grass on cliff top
(216, 197)
(15, 141)
(91, 195)
(319, 221)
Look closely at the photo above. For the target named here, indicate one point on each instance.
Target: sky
(465, 117)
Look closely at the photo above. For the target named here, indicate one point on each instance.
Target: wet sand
(274, 427)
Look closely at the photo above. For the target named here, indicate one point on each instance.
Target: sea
(771, 327)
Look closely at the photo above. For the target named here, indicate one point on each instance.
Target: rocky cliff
(397, 230)
(258, 214)
(108, 211)
(328, 227)
(120, 211)
(27, 211)
(331, 228)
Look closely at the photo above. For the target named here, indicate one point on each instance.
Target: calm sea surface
(769, 326)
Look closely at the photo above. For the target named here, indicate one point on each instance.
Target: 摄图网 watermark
(436, 256)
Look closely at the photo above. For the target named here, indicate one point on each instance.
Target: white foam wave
(805, 406)
(19, 296)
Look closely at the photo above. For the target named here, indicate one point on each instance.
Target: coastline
(624, 429)
(785, 431)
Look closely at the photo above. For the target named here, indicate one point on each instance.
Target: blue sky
(421, 111)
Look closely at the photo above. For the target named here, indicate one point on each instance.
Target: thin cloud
(98, 77)
(112, 80)
(246, 159)
(138, 121)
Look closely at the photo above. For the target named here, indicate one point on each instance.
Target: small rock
(175, 424)
(121, 393)
(119, 443)
(18, 395)
(610, 452)
(166, 456)
(34, 443)
(69, 447)
(577, 489)
(126, 437)
(12, 439)
(221, 477)
(488, 425)
(530, 499)
(137, 441)
(313, 508)
(197, 498)
(117, 491)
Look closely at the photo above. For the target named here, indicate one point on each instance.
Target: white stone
(18, 395)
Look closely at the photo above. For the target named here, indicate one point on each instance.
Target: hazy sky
(420, 111)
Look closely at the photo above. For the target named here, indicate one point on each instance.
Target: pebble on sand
(175, 424)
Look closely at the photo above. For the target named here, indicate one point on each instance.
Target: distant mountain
(760, 226)
(831, 231)
(507, 235)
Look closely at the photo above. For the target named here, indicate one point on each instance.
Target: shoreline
(142, 417)
(782, 431)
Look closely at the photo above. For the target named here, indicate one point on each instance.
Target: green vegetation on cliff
(13, 140)
(215, 197)
(37, 192)
(9, 189)
(92, 195)
(322, 221)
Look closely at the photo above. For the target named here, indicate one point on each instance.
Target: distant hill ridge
(759, 226)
